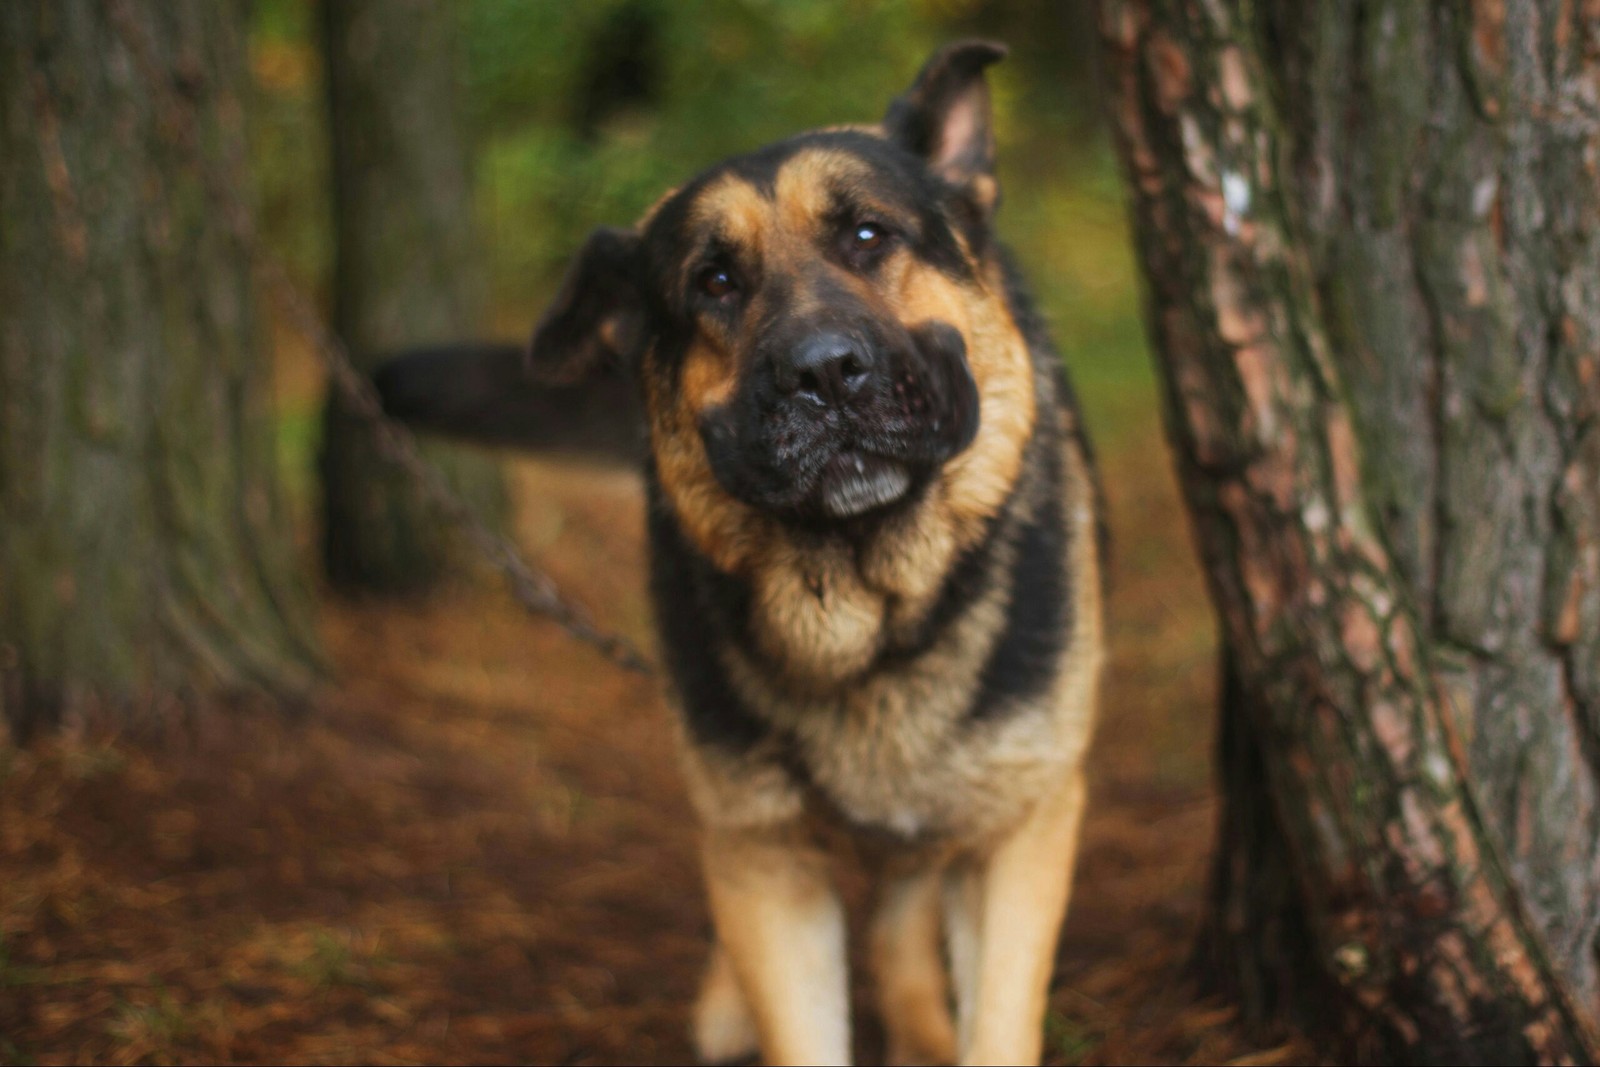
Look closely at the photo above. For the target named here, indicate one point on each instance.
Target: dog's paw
(927, 1041)
(724, 1030)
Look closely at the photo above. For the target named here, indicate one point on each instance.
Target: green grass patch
(1068, 1038)
(156, 1026)
(299, 436)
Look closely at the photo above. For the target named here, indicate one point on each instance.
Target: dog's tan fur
(1005, 813)
(917, 671)
(994, 813)
(831, 637)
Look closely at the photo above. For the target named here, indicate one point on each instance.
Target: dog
(875, 563)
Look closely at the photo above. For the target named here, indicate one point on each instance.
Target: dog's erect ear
(945, 118)
(598, 317)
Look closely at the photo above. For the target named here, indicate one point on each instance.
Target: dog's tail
(483, 392)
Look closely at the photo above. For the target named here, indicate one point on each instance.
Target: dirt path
(477, 849)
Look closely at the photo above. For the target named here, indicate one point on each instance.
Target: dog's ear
(945, 118)
(482, 392)
(598, 319)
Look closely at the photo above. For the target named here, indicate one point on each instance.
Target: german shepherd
(875, 563)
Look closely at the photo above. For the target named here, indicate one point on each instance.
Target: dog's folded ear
(945, 118)
(481, 392)
(598, 318)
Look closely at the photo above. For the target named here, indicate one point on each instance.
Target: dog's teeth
(854, 493)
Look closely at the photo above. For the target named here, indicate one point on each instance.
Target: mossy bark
(407, 271)
(144, 556)
(1370, 231)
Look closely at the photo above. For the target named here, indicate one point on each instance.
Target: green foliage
(714, 77)
(582, 114)
(289, 135)
(299, 435)
(333, 962)
(1070, 235)
(1070, 1040)
(340, 959)
(156, 1023)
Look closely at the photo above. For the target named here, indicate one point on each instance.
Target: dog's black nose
(826, 368)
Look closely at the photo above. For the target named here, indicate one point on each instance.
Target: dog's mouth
(857, 458)
(854, 483)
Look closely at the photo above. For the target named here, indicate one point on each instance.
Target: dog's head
(816, 323)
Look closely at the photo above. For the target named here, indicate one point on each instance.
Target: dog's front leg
(1003, 914)
(913, 993)
(781, 923)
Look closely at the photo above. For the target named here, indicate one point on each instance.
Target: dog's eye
(717, 282)
(867, 237)
(863, 243)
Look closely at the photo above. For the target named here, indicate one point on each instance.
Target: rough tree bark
(1370, 231)
(144, 558)
(407, 271)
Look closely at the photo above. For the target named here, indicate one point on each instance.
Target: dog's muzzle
(840, 424)
(830, 371)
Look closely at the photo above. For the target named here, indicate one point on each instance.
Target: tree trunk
(1371, 236)
(144, 557)
(407, 272)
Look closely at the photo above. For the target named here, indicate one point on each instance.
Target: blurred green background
(582, 114)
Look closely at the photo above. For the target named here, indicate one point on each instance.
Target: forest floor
(475, 849)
